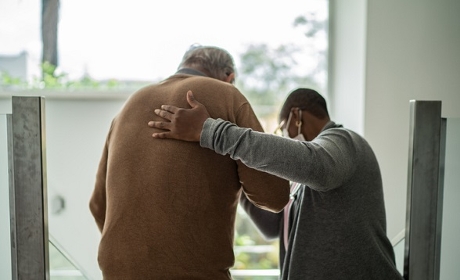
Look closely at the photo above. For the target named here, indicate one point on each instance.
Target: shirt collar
(331, 124)
(190, 71)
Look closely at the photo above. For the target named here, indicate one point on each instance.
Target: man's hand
(184, 124)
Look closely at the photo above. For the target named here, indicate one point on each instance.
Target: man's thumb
(191, 99)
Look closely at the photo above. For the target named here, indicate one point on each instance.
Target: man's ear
(295, 114)
(230, 78)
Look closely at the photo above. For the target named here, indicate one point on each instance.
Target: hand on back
(183, 124)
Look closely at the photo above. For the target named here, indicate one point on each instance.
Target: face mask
(299, 136)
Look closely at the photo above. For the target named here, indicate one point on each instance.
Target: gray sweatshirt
(338, 228)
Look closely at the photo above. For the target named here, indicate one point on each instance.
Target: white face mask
(299, 136)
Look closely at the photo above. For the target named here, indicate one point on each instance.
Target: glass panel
(264, 274)
(252, 251)
(61, 268)
(450, 245)
(399, 255)
(5, 241)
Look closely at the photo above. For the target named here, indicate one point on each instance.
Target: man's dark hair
(307, 100)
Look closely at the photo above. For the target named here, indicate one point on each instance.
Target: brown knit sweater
(166, 208)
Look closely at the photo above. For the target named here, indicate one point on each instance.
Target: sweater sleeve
(98, 200)
(97, 203)
(268, 223)
(322, 164)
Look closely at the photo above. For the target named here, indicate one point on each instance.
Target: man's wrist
(206, 136)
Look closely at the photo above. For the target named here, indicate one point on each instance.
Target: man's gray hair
(213, 61)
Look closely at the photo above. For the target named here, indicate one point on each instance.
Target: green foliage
(7, 79)
(311, 24)
(267, 75)
(264, 72)
(52, 78)
(247, 240)
(314, 28)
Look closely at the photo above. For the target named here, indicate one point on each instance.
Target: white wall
(76, 128)
(347, 42)
(412, 51)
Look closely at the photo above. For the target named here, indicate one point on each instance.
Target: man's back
(170, 205)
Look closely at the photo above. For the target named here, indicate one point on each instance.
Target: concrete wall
(412, 51)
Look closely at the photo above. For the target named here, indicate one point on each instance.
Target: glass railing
(61, 265)
(5, 240)
(399, 255)
(450, 245)
(255, 274)
(255, 257)
(64, 267)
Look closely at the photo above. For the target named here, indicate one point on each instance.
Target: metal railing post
(425, 191)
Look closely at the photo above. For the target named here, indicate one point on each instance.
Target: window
(114, 45)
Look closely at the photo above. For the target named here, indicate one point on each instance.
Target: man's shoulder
(343, 133)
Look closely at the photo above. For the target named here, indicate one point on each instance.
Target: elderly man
(166, 209)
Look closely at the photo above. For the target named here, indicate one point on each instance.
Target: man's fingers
(160, 125)
(181, 123)
(162, 135)
(170, 108)
(163, 113)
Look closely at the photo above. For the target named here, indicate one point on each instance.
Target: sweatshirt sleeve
(264, 190)
(268, 223)
(322, 164)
